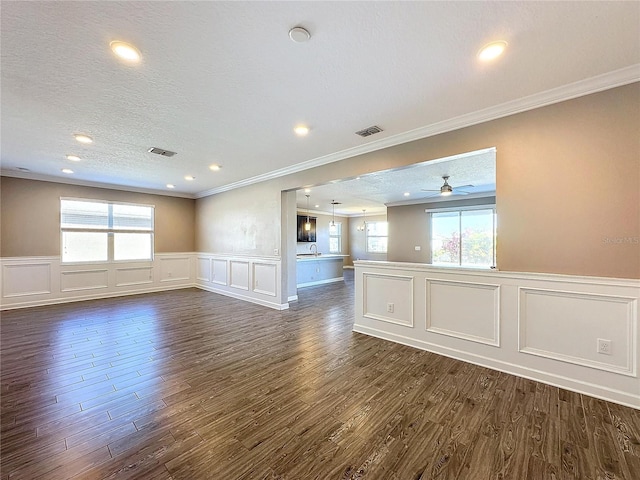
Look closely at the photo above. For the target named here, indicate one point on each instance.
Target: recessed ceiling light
(82, 138)
(357, 178)
(67, 170)
(170, 185)
(125, 51)
(301, 130)
(406, 194)
(317, 206)
(491, 51)
(73, 158)
(189, 177)
(299, 34)
(215, 167)
(307, 190)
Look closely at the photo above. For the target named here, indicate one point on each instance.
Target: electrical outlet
(390, 307)
(604, 346)
(417, 248)
(276, 251)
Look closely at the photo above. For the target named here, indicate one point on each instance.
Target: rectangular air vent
(369, 131)
(161, 151)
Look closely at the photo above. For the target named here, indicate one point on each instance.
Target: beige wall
(409, 227)
(30, 216)
(358, 239)
(568, 187)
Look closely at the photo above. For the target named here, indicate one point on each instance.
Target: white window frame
(431, 211)
(338, 235)
(110, 231)
(368, 235)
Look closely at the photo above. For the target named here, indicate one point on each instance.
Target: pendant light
(332, 226)
(361, 228)
(307, 225)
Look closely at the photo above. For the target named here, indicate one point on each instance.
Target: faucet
(311, 248)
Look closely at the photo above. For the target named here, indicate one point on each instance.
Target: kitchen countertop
(320, 256)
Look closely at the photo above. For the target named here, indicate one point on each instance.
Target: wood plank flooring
(189, 384)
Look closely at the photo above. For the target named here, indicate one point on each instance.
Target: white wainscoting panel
(219, 271)
(539, 326)
(75, 280)
(203, 269)
(466, 310)
(239, 274)
(380, 291)
(566, 326)
(126, 276)
(33, 281)
(249, 278)
(176, 268)
(24, 279)
(265, 278)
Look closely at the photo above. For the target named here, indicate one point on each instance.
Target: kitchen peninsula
(316, 269)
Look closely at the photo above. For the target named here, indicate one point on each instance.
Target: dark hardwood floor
(189, 384)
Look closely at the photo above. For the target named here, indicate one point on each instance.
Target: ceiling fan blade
(462, 186)
(460, 192)
(425, 190)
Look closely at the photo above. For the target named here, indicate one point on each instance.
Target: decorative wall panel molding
(24, 279)
(33, 281)
(253, 279)
(76, 280)
(388, 298)
(540, 326)
(566, 326)
(265, 278)
(134, 276)
(175, 268)
(203, 269)
(219, 271)
(470, 311)
(239, 274)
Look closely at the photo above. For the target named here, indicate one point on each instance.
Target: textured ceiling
(221, 82)
(375, 190)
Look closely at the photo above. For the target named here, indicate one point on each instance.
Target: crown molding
(87, 183)
(606, 81)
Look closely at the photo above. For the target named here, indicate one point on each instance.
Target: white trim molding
(254, 279)
(543, 327)
(22, 285)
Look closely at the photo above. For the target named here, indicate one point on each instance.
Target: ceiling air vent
(369, 131)
(161, 151)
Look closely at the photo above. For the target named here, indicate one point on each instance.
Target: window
(96, 231)
(335, 238)
(464, 237)
(377, 236)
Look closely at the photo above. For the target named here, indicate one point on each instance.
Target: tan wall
(358, 239)
(568, 187)
(30, 216)
(409, 227)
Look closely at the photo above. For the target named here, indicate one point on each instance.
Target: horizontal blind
(83, 214)
(132, 217)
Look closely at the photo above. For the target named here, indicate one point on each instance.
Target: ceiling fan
(446, 189)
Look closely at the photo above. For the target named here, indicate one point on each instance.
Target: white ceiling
(221, 82)
(476, 171)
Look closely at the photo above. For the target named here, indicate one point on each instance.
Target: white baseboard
(321, 282)
(246, 298)
(540, 326)
(586, 388)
